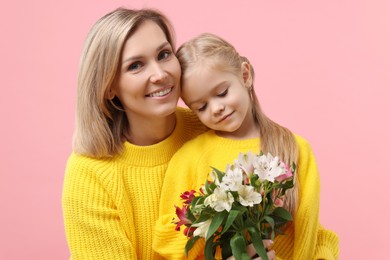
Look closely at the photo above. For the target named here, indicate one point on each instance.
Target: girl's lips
(225, 117)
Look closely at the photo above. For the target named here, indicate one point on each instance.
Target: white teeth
(161, 93)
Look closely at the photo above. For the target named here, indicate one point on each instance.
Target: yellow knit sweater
(110, 205)
(305, 239)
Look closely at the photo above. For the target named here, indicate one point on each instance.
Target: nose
(158, 73)
(217, 108)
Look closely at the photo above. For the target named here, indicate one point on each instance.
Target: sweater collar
(156, 154)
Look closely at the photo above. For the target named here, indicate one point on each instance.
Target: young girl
(128, 128)
(217, 84)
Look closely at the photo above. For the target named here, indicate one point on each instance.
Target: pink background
(323, 70)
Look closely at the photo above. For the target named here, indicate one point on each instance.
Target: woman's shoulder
(188, 124)
(78, 163)
(198, 143)
(84, 172)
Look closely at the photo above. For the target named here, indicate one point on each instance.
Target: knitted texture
(110, 205)
(189, 169)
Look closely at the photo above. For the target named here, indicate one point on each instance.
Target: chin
(166, 110)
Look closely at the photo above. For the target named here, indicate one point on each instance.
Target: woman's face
(149, 80)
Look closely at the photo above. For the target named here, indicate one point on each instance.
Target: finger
(250, 249)
(271, 256)
(267, 243)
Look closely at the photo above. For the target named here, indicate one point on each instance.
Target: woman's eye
(164, 55)
(202, 108)
(134, 66)
(223, 93)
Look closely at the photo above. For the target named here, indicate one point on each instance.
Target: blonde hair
(101, 123)
(275, 139)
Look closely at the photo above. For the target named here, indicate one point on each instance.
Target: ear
(110, 94)
(246, 74)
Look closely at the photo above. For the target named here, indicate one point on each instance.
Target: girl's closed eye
(135, 66)
(202, 108)
(223, 93)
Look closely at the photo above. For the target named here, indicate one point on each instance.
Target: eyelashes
(221, 94)
(162, 56)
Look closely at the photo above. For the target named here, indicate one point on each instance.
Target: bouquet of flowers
(239, 206)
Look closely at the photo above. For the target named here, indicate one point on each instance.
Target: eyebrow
(216, 86)
(159, 48)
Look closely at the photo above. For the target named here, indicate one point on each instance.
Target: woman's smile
(160, 93)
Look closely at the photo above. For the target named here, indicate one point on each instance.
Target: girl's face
(221, 100)
(149, 78)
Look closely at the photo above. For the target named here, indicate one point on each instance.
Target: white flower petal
(202, 228)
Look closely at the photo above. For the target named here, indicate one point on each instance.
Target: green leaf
(254, 181)
(208, 250)
(233, 214)
(190, 244)
(203, 217)
(240, 208)
(207, 187)
(282, 213)
(288, 184)
(270, 221)
(258, 243)
(238, 245)
(219, 173)
(216, 223)
(294, 167)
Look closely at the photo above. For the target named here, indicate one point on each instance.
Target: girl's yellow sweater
(305, 239)
(110, 205)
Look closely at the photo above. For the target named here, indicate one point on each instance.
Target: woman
(127, 129)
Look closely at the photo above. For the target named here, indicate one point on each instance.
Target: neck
(241, 134)
(151, 131)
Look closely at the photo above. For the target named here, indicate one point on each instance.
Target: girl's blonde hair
(218, 53)
(101, 123)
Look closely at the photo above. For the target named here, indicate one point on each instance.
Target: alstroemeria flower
(232, 180)
(188, 196)
(245, 162)
(279, 202)
(181, 214)
(287, 174)
(249, 197)
(268, 167)
(189, 231)
(220, 200)
(202, 228)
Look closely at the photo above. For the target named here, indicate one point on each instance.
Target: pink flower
(181, 214)
(188, 196)
(279, 202)
(285, 175)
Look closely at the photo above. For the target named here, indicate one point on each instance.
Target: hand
(250, 249)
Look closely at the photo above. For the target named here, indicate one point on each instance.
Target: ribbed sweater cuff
(327, 245)
(171, 244)
(166, 241)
